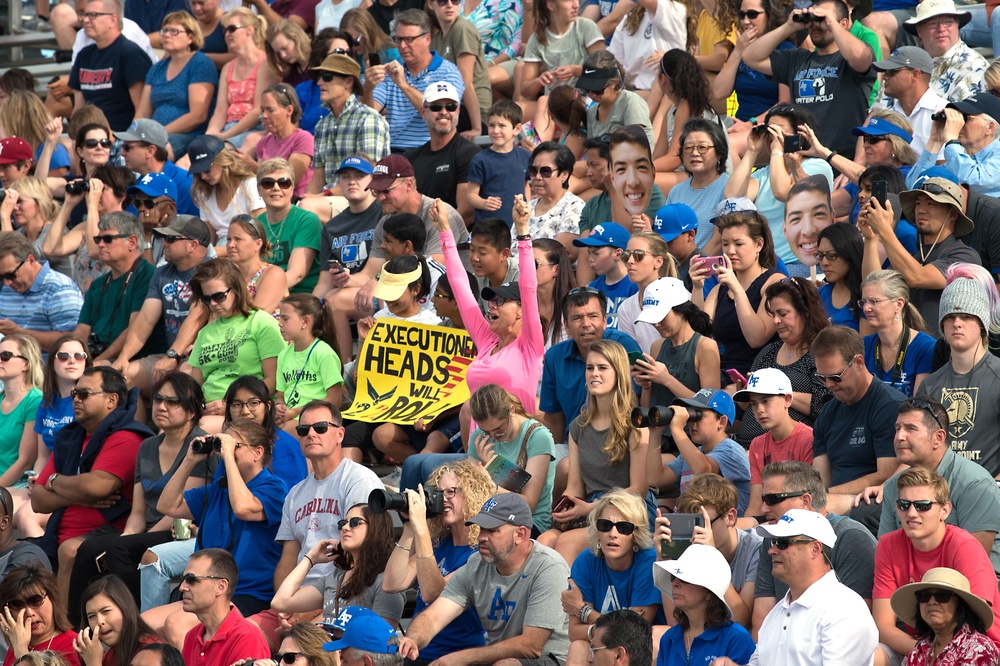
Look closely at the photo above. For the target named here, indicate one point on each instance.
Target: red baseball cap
(387, 170)
(13, 150)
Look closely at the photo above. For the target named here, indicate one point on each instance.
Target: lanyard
(897, 369)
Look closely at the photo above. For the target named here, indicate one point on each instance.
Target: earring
(635, 549)
(598, 545)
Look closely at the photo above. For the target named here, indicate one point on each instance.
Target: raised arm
(467, 303)
(527, 280)
(757, 54)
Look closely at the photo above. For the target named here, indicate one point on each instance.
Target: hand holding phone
(712, 263)
(565, 502)
(737, 377)
(880, 191)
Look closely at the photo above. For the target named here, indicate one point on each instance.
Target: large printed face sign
(632, 174)
(806, 214)
(410, 371)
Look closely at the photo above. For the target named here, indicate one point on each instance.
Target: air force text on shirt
(812, 86)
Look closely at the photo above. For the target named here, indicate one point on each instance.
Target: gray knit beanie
(964, 296)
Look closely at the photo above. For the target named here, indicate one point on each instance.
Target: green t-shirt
(232, 347)
(12, 427)
(300, 229)
(107, 307)
(462, 39)
(869, 37)
(308, 374)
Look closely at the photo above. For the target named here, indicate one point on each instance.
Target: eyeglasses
(289, 657)
(77, 356)
(450, 107)
(594, 649)
(450, 492)
(921, 506)
(826, 256)
(870, 140)
(10, 277)
(34, 601)
(837, 378)
(782, 543)
(7, 355)
(252, 404)
(191, 579)
(862, 302)
(83, 394)
(170, 240)
(936, 24)
(701, 149)
(148, 204)
(940, 596)
(624, 528)
(544, 172)
(500, 301)
(269, 183)
(173, 32)
(407, 41)
(108, 239)
(751, 14)
(302, 430)
(353, 522)
(771, 499)
(94, 143)
(217, 297)
(90, 16)
(230, 29)
(168, 400)
(926, 406)
(638, 255)
(493, 434)
(539, 264)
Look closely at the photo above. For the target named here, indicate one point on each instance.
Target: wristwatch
(48, 482)
(172, 353)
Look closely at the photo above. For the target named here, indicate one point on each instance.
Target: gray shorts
(894, 658)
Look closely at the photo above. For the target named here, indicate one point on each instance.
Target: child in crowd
(769, 392)
(604, 254)
(497, 174)
(489, 256)
(308, 368)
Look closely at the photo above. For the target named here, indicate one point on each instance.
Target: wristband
(50, 480)
(524, 237)
(425, 557)
(955, 141)
(585, 612)
(828, 158)
(311, 563)
(402, 547)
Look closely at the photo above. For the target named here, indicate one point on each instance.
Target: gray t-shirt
(389, 607)
(853, 561)
(596, 471)
(170, 286)
(152, 477)
(947, 252)
(627, 109)
(348, 237)
(972, 401)
(744, 564)
(530, 597)
(433, 243)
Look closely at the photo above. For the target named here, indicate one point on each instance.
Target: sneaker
(391, 480)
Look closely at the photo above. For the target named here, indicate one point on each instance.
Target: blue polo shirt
(407, 128)
(730, 640)
(563, 388)
(52, 303)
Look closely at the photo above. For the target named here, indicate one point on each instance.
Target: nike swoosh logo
(589, 71)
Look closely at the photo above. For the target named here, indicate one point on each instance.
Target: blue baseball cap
(936, 172)
(358, 164)
(340, 622)
(366, 632)
(154, 185)
(882, 127)
(673, 220)
(606, 234)
(715, 399)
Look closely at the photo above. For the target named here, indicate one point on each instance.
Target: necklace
(281, 228)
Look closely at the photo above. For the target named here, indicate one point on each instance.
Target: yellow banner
(410, 371)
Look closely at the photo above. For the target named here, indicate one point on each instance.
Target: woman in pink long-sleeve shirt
(509, 338)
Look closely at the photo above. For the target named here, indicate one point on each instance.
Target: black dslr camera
(381, 501)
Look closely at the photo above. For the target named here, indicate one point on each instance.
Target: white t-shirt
(132, 32)
(246, 199)
(329, 14)
(660, 30)
(312, 508)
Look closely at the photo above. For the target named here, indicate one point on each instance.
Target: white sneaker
(391, 480)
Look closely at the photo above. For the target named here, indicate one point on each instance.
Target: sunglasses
(934, 188)
(217, 297)
(169, 400)
(94, 143)
(339, 52)
(870, 140)
(444, 3)
(751, 14)
(269, 183)
(7, 355)
(624, 528)
(638, 255)
(108, 239)
(289, 657)
(920, 505)
(940, 596)
(302, 430)
(34, 601)
(10, 277)
(83, 394)
(771, 499)
(826, 256)
(926, 406)
(782, 543)
(353, 522)
(230, 29)
(148, 204)
(191, 579)
(592, 291)
(450, 107)
(837, 378)
(77, 356)
(544, 172)
(326, 77)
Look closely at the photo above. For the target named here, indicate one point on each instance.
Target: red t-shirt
(898, 563)
(117, 457)
(62, 643)
(236, 639)
(764, 450)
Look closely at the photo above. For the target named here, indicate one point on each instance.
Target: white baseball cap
(800, 522)
(698, 565)
(765, 381)
(441, 90)
(660, 296)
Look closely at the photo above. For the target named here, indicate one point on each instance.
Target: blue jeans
(417, 468)
(977, 33)
(155, 578)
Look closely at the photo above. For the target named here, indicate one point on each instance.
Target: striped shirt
(405, 121)
(52, 303)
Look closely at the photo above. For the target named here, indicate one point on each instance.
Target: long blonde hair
(296, 35)
(658, 247)
(37, 189)
(252, 21)
(617, 444)
(24, 116)
(28, 348)
(234, 172)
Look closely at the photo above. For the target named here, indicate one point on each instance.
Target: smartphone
(712, 263)
(54, 79)
(634, 356)
(564, 503)
(681, 530)
(101, 562)
(335, 264)
(880, 191)
(374, 59)
(737, 377)
(793, 143)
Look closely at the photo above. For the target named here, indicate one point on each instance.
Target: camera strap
(124, 285)
(522, 455)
